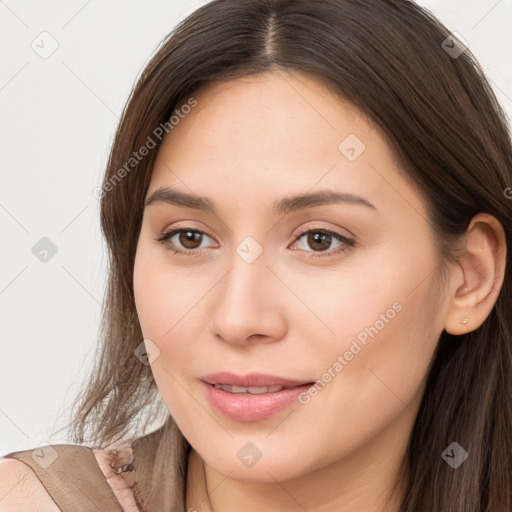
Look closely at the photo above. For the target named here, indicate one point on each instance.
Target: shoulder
(21, 489)
(45, 478)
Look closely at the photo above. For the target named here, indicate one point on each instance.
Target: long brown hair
(440, 116)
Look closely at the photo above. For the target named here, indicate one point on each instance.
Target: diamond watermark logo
(352, 147)
(454, 455)
(146, 352)
(45, 45)
(45, 455)
(454, 45)
(249, 249)
(44, 250)
(249, 454)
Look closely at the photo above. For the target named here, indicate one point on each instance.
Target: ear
(477, 287)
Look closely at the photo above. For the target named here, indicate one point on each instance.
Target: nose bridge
(244, 285)
(246, 296)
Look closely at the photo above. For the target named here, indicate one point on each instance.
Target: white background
(57, 120)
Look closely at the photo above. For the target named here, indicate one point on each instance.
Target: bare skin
(290, 312)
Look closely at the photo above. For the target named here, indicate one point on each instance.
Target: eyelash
(349, 243)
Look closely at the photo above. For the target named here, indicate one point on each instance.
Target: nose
(249, 304)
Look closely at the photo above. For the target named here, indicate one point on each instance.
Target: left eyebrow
(283, 206)
(323, 197)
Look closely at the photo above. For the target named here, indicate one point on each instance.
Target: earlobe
(483, 270)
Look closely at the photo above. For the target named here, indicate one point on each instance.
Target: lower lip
(247, 407)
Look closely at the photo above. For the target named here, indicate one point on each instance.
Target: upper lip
(252, 380)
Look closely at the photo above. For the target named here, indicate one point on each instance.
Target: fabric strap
(72, 477)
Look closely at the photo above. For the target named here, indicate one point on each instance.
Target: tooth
(258, 390)
(255, 390)
(224, 387)
(238, 389)
(266, 389)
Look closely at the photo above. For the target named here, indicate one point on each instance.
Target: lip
(246, 407)
(252, 380)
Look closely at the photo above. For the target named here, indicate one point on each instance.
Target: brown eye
(188, 239)
(319, 240)
(183, 241)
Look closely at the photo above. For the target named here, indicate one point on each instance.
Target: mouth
(249, 403)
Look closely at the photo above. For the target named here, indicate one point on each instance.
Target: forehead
(282, 109)
(278, 133)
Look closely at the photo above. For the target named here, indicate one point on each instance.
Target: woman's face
(340, 289)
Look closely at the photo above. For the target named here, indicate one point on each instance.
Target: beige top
(76, 476)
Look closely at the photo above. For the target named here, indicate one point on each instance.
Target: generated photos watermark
(356, 346)
(137, 156)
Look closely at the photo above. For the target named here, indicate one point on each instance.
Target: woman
(307, 206)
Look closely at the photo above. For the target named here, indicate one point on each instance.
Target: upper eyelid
(308, 228)
(301, 232)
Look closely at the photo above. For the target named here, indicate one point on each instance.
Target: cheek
(162, 293)
(385, 357)
(160, 306)
(390, 354)
(385, 335)
(170, 304)
(147, 296)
